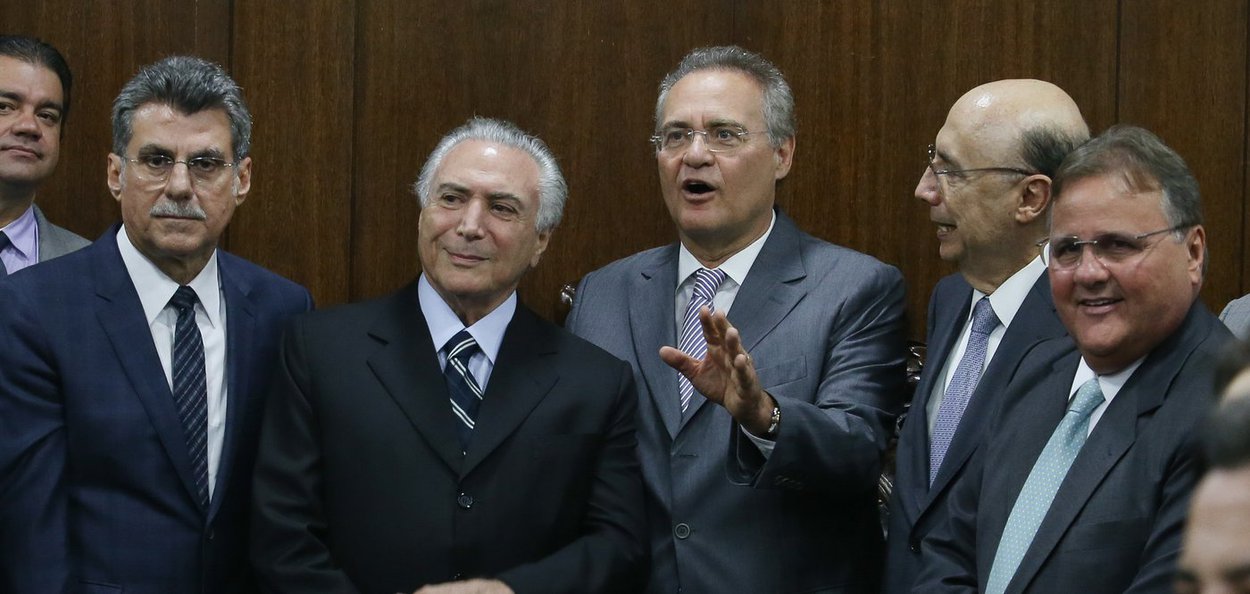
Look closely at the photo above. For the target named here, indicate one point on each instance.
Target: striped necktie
(189, 387)
(466, 395)
(692, 341)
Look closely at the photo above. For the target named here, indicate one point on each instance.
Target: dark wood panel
(1170, 83)
(296, 69)
(581, 75)
(105, 43)
(873, 82)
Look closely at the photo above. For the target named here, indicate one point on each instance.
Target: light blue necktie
(692, 341)
(963, 384)
(1043, 482)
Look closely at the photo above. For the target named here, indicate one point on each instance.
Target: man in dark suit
(987, 187)
(132, 371)
(35, 84)
(1085, 474)
(445, 437)
(770, 486)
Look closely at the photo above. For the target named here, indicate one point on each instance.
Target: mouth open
(697, 188)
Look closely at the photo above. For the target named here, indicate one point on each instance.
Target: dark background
(350, 96)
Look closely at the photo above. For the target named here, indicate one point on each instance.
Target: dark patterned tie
(692, 341)
(963, 384)
(4, 243)
(466, 395)
(190, 389)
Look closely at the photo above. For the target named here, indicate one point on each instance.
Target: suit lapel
(406, 364)
(240, 327)
(518, 382)
(652, 321)
(121, 315)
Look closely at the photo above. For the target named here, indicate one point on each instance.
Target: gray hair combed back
(189, 85)
(1145, 164)
(778, 99)
(552, 190)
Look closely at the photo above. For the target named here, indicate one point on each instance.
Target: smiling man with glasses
(760, 455)
(1084, 476)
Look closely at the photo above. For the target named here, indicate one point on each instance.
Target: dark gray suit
(1236, 316)
(55, 241)
(824, 326)
(916, 507)
(1116, 522)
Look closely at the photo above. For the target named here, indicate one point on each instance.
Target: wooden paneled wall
(349, 96)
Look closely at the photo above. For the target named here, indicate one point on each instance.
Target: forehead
(489, 168)
(164, 126)
(1105, 203)
(36, 82)
(976, 131)
(707, 95)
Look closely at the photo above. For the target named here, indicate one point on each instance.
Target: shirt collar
(1009, 296)
(444, 323)
(155, 288)
(735, 268)
(23, 233)
(1109, 383)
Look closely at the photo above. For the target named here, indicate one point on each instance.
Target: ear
(244, 180)
(1034, 199)
(1196, 249)
(543, 239)
(784, 155)
(115, 176)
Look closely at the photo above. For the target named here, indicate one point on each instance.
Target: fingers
(679, 360)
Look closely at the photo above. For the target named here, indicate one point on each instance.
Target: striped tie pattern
(1043, 483)
(189, 387)
(466, 394)
(692, 341)
(963, 384)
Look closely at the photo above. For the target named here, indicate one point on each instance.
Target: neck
(712, 251)
(14, 202)
(986, 277)
(181, 270)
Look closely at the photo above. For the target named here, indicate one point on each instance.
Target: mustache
(182, 210)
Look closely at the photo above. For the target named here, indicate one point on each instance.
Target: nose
(697, 152)
(179, 183)
(1089, 269)
(470, 226)
(27, 123)
(928, 189)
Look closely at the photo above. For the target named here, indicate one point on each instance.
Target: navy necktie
(189, 387)
(963, 384)
(4, 243)
(466, 394)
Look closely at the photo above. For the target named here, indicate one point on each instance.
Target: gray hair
(552, 190)
(1144, 163)
(1044, 148)
(190, 85)
(778, 99)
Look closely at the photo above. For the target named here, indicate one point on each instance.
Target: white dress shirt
(155, 290)
(1110, 385)
(1006, 302)
(444, 324)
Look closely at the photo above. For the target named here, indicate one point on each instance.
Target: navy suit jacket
(96, 487)
(1115, 525)
(362, 486)
(915, 507)
(824, 326)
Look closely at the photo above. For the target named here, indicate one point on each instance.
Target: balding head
(996, 154)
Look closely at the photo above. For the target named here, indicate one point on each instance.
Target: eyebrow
(156, 149)
(459, 189)
(20, 98)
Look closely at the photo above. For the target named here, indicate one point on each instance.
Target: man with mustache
(761, 437)
(35, 84)
(132, 372)
(1085, 473)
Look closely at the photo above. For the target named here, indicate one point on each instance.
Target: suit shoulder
(629, 265)
(259, 276)
(843, 260)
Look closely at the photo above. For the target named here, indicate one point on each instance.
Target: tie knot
(461, 347)
(707, 281)
(1087, 398)
(184, 298)
(984, 320)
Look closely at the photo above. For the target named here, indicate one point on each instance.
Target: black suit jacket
(915, 507)
(1115, 525)
(361, 485)
(96, 487)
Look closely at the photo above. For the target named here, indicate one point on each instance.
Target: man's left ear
(784, 155)
(1034, 198)
(243, 180)
(1196, 248)
(543, 238)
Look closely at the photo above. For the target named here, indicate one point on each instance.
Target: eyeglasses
(940, 172)
(1064, 253)
(719, 139)
(156, 169)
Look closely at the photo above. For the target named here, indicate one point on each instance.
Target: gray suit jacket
(1236, 316)
(824, 326)
(55, 241)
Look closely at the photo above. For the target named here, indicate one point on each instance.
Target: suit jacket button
(457, 577)
(682, 531)
(464, 501)
(915, 547)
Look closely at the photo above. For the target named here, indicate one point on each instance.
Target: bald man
(987, 187)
